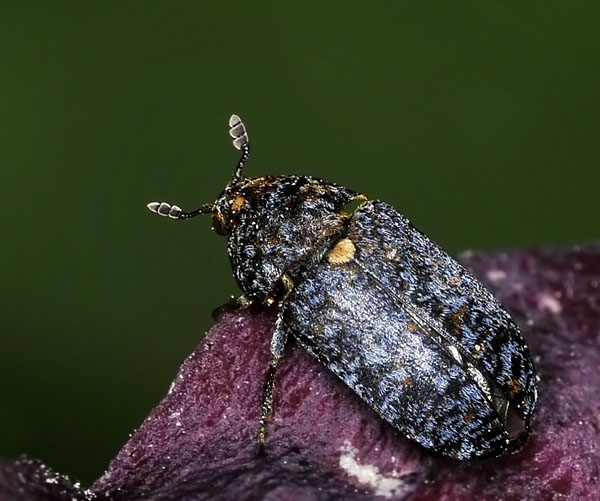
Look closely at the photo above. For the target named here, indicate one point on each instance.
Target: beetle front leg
(278, 342)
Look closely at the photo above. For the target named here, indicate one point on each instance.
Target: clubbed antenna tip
(175, 212)
(165, 209)
(237, 130)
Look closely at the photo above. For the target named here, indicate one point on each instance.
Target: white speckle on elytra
(495, 275)
(368, 474)
(548, 302)
(454, 352)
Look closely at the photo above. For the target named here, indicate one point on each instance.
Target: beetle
(404, 325)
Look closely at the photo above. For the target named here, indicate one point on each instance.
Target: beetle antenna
(237, 130)
(175, 212)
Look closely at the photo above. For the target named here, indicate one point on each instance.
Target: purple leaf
(325, 443)
(30, 480)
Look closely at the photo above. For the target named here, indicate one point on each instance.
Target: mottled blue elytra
(413, 333)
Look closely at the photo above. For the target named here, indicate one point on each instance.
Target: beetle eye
(219, 225)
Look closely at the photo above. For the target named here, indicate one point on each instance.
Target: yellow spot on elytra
(238, 203)
(469, 416)
(391, 253)
(287, 282)
(453, 281)
(457, 319)
(342, 252)
(514, 387)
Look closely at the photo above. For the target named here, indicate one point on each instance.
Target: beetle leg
(278, 342)
(233, 304)
(243, 302)
(432, 470)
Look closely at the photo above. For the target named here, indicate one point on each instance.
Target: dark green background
(479, 121)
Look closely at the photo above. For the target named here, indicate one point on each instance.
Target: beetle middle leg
(278, 342)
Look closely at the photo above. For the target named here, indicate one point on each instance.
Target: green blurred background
(479, 121)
